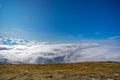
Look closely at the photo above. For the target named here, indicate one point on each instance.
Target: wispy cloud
(80, 36)
(28, 32)
(114, 37)
(1, 5)
(96, 33)
(21, 30)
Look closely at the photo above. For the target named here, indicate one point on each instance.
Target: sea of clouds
(22, 51)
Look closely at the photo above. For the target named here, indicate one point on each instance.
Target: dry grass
(73, 71)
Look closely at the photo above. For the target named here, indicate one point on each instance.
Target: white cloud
(32, 52)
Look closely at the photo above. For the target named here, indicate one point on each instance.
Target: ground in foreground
(72, 71)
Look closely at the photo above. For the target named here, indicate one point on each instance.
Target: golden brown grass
(71, 71)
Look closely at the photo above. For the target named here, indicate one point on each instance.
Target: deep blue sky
(60, 20)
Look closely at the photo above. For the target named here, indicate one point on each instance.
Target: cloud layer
(42, 53)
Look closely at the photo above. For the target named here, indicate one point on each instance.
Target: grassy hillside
(73, 71)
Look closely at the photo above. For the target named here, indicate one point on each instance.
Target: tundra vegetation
(68, 71)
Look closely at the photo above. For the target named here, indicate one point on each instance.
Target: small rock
(26, 71)
(116, 74)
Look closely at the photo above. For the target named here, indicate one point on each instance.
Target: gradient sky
(60, 20)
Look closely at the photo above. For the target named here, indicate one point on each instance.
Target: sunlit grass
(72, 71)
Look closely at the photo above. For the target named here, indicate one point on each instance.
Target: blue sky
(60, 20)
